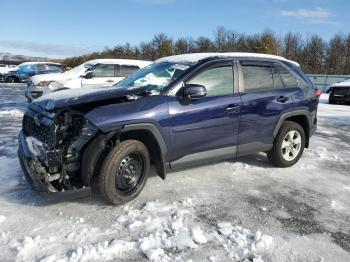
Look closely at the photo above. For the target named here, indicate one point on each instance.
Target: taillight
(318, 92)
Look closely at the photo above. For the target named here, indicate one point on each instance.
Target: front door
(208, 126)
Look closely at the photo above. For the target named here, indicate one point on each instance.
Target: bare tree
(163, 45)
(204, 44)
(313, 55)
(292, 45)
(336, 54)
(346, 69)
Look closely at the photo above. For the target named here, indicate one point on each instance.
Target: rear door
(206, 127)
(264, 98)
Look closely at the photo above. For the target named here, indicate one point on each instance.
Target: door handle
(110, 81)
(232, 108)
(282, 99)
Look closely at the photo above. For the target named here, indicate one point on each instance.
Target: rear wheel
(124, 172)
(288, 145)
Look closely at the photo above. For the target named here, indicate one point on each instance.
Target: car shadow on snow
(24, 194)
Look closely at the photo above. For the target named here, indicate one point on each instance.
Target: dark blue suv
(179, 111)
(26, 70)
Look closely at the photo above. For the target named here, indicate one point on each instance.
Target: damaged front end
(50, 151)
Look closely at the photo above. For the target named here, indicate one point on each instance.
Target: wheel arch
(153, 140)
(299, 116)
(17, 80)
(95, 151)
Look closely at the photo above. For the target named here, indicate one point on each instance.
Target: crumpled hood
(72, 97)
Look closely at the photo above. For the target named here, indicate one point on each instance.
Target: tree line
(313, 53)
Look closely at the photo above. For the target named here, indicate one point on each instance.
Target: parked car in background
(94, 73)
(180, 111)
(4, 69)
(340, 92)
(26, 70)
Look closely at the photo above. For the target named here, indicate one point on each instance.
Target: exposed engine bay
(55, 141)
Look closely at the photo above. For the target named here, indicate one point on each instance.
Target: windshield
(154, 78)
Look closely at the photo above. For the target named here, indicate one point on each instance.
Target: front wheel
(288, 145)
(124, 172)
(12, 79)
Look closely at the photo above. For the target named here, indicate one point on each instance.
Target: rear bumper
(34, 179)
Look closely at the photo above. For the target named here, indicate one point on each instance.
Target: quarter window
(257, 78)
(218, 81)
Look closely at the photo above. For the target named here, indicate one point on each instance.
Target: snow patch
(101, 251)
(11, 113)
(241, 243)
(2, 218)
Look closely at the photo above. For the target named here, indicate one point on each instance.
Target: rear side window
(257, 78)
(218, 80)
(277, 79)
(41, 67)
(125, 70)
(102, 70)
(289, 80)
(54, 68)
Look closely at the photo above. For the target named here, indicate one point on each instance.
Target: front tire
(124, 172)
(288, 145)
(12, 80)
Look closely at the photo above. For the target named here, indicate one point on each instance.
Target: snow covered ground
(239, 210)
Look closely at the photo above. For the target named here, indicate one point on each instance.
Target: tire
(11, 79)
(286, 156)
(130, 158)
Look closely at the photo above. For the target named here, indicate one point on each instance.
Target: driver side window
(218, 81)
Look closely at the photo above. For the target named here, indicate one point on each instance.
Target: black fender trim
(91, 160)
(159, 138)
(149, 127)
(284, 116)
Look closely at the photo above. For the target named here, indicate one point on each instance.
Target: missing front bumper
(44, 189)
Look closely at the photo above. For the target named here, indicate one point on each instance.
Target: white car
(4, 69)
(91, 74)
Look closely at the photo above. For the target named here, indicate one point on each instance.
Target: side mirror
(194, 91)
(88, 75)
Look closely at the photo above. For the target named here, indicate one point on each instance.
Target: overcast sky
(71, 27)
